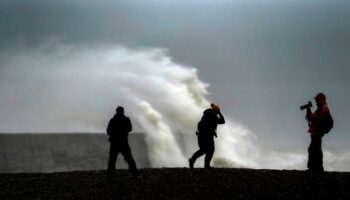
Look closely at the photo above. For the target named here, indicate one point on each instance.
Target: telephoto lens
(308, 105)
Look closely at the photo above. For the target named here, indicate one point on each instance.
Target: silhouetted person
(318, 126)
(118, 129)
(206, 131)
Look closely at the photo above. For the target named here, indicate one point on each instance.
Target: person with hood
(118, 130)
(206, 130)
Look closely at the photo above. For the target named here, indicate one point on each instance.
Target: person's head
(320, 99)
(215, 107)
(120, 110)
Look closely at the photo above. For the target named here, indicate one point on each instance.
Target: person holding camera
(320, 122)
(206, 131)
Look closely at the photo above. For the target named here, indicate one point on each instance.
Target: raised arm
(314, 118)
(220, 119)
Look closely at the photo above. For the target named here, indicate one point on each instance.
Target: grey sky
(263, 59)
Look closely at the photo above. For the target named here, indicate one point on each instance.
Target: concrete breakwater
(55, 152)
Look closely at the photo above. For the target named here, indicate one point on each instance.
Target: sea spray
(162, 146)
(63, 88)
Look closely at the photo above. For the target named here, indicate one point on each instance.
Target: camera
(308, 105)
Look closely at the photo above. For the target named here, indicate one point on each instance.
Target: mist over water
(58, 88)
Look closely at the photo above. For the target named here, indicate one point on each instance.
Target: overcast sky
(262, 59)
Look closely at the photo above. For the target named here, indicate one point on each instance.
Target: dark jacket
(209, 122)
(119, 127)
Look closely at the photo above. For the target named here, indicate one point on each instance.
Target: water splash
(61, 88)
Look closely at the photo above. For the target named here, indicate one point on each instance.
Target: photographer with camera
(320, 122)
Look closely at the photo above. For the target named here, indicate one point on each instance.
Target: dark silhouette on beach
(320, 123)
(206, 131)
(118, 129)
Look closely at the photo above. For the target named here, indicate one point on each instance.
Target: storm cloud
(262, 59)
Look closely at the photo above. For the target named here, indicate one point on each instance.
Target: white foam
(73, 89)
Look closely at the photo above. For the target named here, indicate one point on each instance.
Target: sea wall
(56, 152)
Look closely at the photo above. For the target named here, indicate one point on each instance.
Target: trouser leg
(202, 149)
(319, 154)
(206, 145)
(113, 154)
(209, 153)
(311, 156)
(196, 155)
(315, 161)
(130, 160)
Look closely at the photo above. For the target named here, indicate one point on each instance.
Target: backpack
(327, 124)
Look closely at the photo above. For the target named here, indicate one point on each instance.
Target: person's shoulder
(325, 109)
(127, 118)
